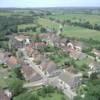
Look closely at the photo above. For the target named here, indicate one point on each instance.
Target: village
(48, 59)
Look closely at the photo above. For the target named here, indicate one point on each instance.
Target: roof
(96, 52)
(69, 78)
(20, 37)
(3, 96)
(77, 43)
(47, 64)
(11, 60)
(39, 57)
(51, 67)
(36, 77)
(38, 44)
(44, 63)
(27, 71)
(29, 50)
(45, 35)
(77, 55)
(95, 64)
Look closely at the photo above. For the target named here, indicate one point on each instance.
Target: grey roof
(51, 67)
(36, 78)
(69, 78)
(96, 65)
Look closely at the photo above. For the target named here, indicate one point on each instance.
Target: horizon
(48, 3)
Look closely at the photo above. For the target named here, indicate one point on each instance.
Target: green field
(48, 24)
(23, 26)
(79, 32)
(76, 17)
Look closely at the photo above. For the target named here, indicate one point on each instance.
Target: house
(51, 67)
(29, 50)
(8, 59)
(5, 95)
(18, 41)
(77, 55)
(21, 38)
(45, 64)
(29, 73)
(96, 52)
(45, 36)
(68, 82)
(94, 66)
(70, 45)
(38, 45)
(39, 58)
(78, 45)
(11, 61)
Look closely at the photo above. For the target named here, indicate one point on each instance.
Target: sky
(49, 3)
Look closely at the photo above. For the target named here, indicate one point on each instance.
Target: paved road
(34, 84)
(33, 65)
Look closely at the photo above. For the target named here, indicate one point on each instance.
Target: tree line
(85, 24)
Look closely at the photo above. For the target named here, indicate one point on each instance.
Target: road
(33, 65)
(34, 84)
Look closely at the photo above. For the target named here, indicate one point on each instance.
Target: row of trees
(33, 29)
(86, 24)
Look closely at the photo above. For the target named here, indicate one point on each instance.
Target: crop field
(93, 19)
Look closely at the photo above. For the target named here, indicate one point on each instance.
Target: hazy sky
(49, 3)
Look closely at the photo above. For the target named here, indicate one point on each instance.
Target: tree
(27, 96)
(93, 76)
(43, 30)
(16, 87)
(19, 75)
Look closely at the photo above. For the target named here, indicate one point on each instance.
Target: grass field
(79, 32)
(76, 17)
(23, 26)
(47, 23)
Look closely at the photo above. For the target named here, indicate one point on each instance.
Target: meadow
(93, 19)
(48, 23)
(79, 32)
